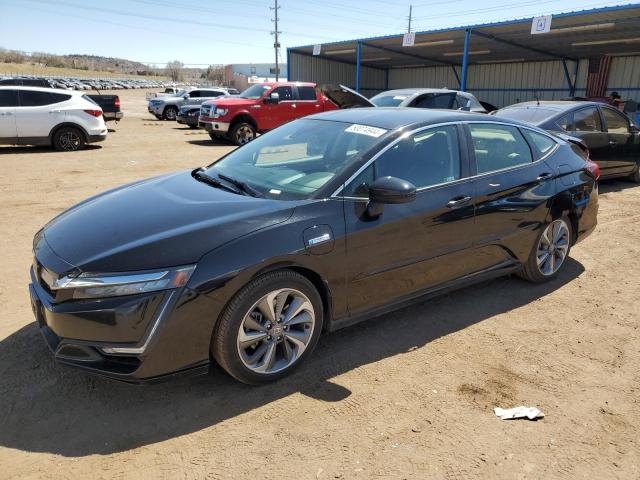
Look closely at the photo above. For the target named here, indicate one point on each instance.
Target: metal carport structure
(586, 52)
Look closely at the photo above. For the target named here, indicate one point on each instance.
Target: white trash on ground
(518, 412)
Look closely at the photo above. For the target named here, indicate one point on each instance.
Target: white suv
(45, 116)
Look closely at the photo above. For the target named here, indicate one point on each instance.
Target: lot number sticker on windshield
(366, 130)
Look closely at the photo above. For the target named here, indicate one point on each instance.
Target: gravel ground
(406, 395)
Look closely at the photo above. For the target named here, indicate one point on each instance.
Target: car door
(585, 123)
(307, 102)
(624, 145)
(37, 114)
(8, 104)
(414, 246)
(275, 114)
(511, 190)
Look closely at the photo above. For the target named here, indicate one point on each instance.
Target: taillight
(94, 113)
(593, 168)
(117, 102)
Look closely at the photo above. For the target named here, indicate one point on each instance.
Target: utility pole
(410, 11)
(275, 33)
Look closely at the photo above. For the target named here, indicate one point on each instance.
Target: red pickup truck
(265, 106)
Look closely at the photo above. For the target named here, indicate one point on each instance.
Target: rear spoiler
(575, 141)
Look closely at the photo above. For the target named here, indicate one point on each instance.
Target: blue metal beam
(465, 60)
(358, 48)
(288, 64)
(386, 79)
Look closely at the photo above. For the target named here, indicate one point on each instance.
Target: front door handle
(293, 105)
(55, 111)
(612, 142)
(545, 176)
(458, 202)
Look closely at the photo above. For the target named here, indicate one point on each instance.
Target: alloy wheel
(70, 140)
(553, 247)
(276, 331)
(244, 135)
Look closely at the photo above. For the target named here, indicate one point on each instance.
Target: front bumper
(156, 109)
(214, 126)
(162, 333)
(187, 120)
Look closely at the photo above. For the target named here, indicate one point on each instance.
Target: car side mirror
(389, 190)
(273, 98)
(185, 96)
(634, 129)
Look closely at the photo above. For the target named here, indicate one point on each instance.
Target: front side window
(8, 98)
(284, 93)
(615, 122)
(295, 160)
(427, 158)
(307, 93)
(587, 120)
(29, 98)
(498, 147)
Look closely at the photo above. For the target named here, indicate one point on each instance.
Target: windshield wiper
(199, 174)
(245, 187)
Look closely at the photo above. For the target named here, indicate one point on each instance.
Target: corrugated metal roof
(602, 31)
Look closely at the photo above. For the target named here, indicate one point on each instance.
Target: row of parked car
(610, 137)
(75, 83)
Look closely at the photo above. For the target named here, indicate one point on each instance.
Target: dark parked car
(613, 141)
(25, 82)
(313, 226)
(110, 105)
(188, 115)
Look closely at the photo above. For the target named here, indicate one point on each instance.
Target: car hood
(156, 223)
(232, 102)
(343, 96)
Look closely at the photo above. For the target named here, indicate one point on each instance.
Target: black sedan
(613, 141)
(313, 226)
(188, 115)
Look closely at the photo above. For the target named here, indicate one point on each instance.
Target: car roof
(285, 84)
(392, 118)
(42, 89)
(414, 91)
(555, 105)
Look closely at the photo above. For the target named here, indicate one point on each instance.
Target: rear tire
(269, 328)
(549, 253)
(635, 176)
(242, 133)
(68, 139)
(170, 113)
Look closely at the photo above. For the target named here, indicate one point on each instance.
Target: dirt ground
(407, 395)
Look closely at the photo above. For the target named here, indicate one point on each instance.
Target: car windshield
(535, 115)
(255, 91)
(388, 100)
(294, 161)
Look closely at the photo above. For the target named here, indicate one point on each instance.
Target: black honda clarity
(313, 226)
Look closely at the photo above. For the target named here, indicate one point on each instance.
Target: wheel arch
(55, 129)
(243, 117)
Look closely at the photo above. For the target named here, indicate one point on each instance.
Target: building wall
(500, 84)
(303, 68)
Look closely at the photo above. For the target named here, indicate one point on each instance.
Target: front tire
(242, 133)
(68, 139)
(269, 328)
(170, 113)
(549, 253)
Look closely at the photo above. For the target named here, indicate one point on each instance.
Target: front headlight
(93, 285)
(220, 112)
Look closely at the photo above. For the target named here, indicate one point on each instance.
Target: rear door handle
(611, 142)
(545, 176)
(55, 111)
(458, 202)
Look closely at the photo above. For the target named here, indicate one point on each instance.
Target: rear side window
(59, 97)
(194, 94)
(211, 93)
(587, 120)
(540, 144)
(498, 147)
(35, 99)
(307, 93)
(8, 98)
(615, 122)
(436, 100)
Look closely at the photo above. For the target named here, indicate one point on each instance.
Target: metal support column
(288, 64)
(575, 78)
(358, 46)
(465, 60)
(386, 79)
(567, 77)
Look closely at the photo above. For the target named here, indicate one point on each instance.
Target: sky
(203, 32)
